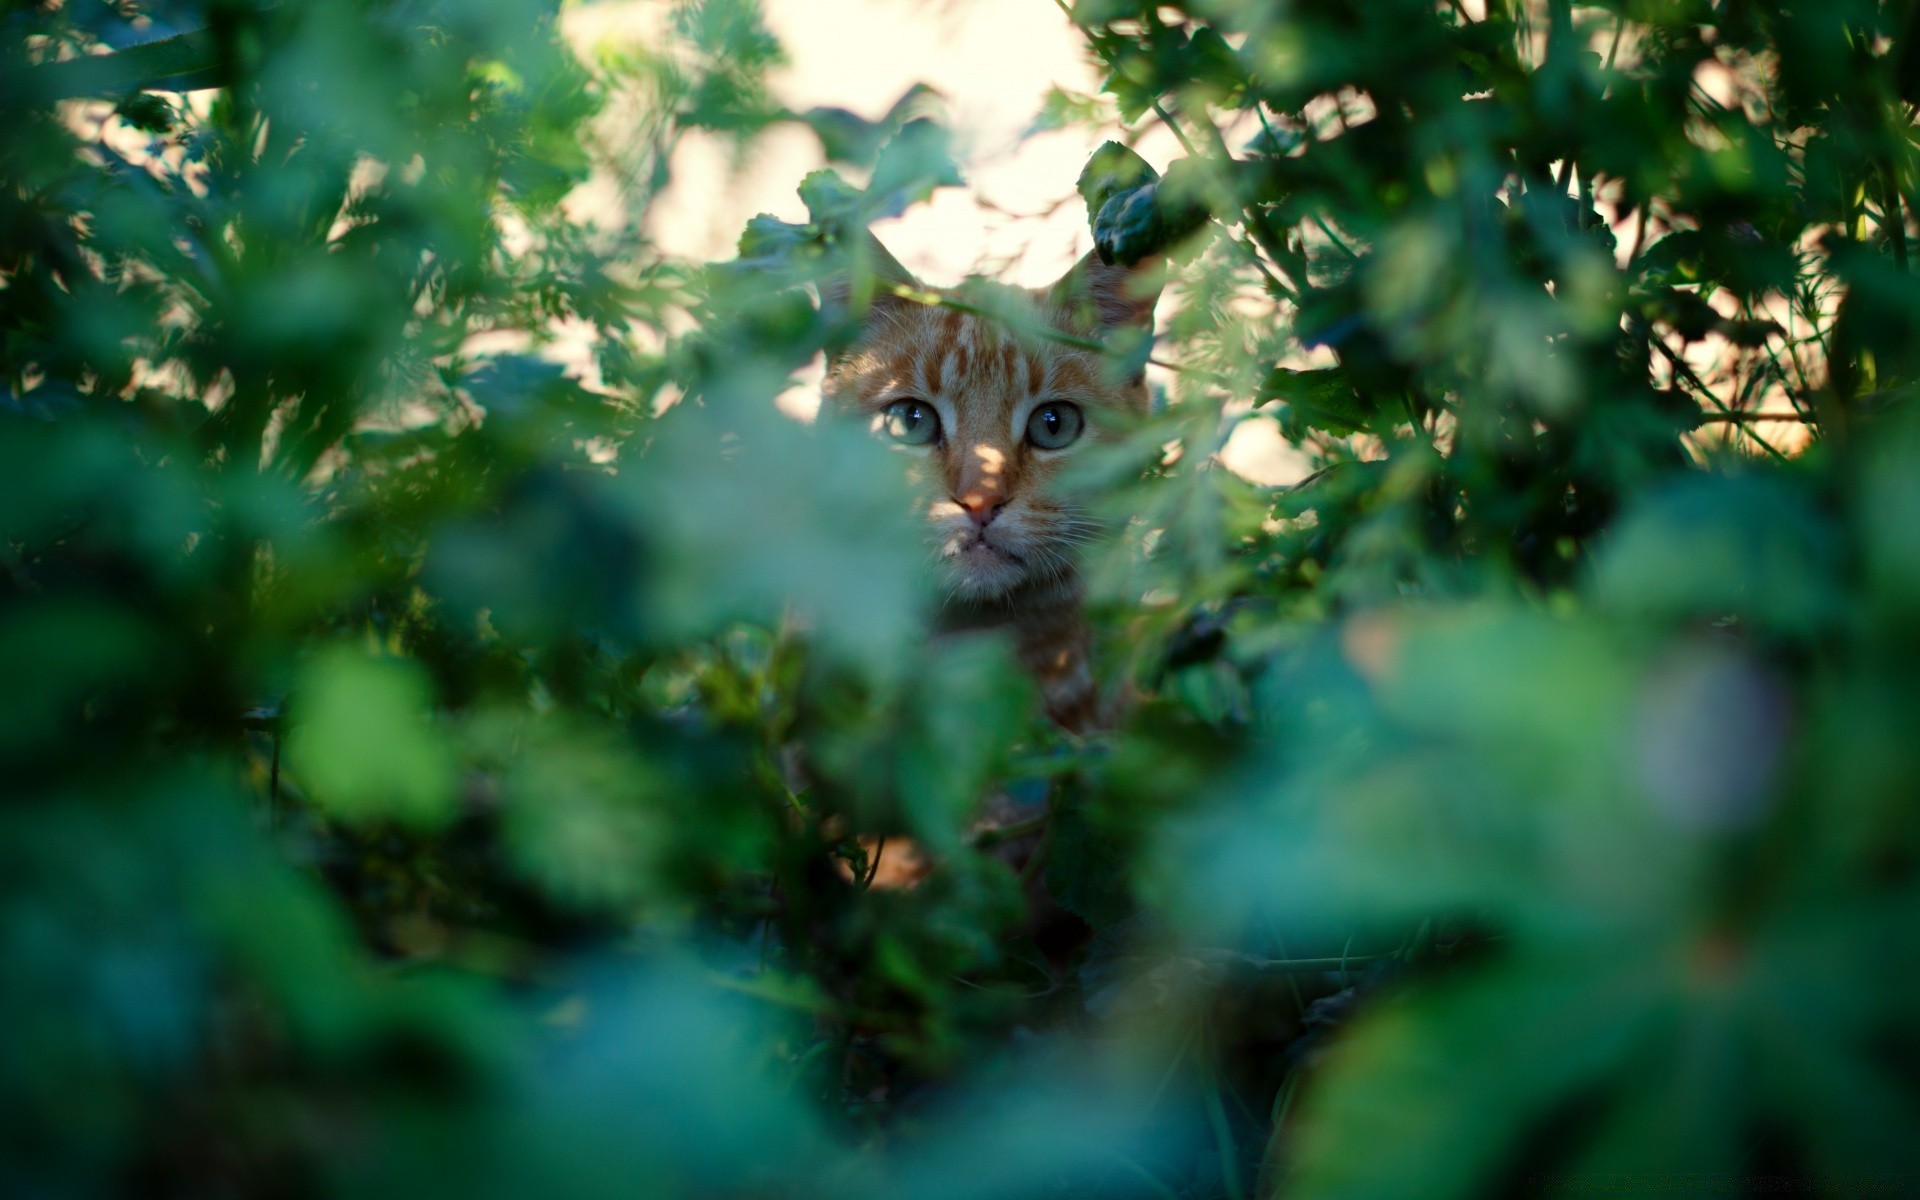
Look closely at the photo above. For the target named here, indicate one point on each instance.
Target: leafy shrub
(435, 769)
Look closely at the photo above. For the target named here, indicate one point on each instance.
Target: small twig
(1731, 416)
(1255, 219)
(981, 987)
(1178, 133)
(1893, 216)
(995, 834)
(1312, 966)
(1030, 869)
(1328, 230)
(1613, 49)
(1681, 369)
(1283, 1099)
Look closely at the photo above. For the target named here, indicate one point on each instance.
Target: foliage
(438, 765)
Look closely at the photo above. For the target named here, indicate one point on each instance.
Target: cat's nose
(982, 507)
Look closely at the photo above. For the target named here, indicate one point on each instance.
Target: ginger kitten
(996, 410)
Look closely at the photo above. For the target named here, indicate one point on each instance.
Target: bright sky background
(994, 61)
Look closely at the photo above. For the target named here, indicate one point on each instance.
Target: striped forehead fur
(930, 350)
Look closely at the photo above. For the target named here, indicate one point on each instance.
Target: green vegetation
(434, 771)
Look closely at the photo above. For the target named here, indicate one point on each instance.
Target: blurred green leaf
(66, 659)
(581, 817)
(1707, 548)
(755, 516)
(364, 743)
(1511, 1049)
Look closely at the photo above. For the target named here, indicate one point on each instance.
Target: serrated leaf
(1111, 170)
(911, 165)
(845, 136)
(1322, 399)
(183, 62)
(1211, 62)
(830, 200)
(768, 237)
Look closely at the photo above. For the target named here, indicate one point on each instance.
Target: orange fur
(984, 378)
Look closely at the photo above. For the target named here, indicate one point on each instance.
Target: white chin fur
(980, 574)
(979, 584)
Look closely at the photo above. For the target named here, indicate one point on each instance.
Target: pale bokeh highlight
(1018, 219)
(992, 60)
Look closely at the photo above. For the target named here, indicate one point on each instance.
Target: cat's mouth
(983, 568)
(968, 545)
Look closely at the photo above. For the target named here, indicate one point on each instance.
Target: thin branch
(1893, 216)
(1714, 418)
(995, 834)
(1254, 217)
(873, 868)
(1613, 50)
(1682, 370)
(1174, 126)
(1328, 230)
(1280, 287)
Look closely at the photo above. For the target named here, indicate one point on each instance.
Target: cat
(996, 412)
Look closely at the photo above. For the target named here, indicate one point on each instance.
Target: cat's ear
(864, 279)
(1099, 296)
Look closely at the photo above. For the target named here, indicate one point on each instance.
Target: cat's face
(995, 417)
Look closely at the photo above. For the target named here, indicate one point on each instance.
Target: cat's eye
(1055, 426)
(911, 422)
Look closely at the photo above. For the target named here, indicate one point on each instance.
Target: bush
(432, 768)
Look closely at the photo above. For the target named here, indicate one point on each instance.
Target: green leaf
(1111, 170)
(184, 62)
(845, 137)
(1711, 547)
(63, 657)
(1151, 218)
(581, 814)
(831, 201)
(753, 515)
(970, 704)
(363, 744)
(1505, 1050)
(767, 240)
(1322, 399)
(913, 163)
